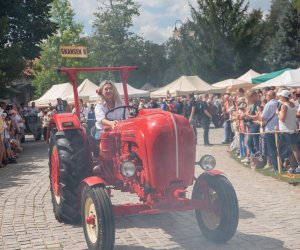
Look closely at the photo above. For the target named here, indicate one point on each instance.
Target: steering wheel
(133, 112)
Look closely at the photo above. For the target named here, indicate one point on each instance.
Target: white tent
(248, 76)
(132, 92)
(231, 84)
(56, 91)
(184, 85)
(290, 78)
(85, 90)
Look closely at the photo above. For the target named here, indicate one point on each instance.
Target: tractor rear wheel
(67, 159)
(97, 218)
(218, 221)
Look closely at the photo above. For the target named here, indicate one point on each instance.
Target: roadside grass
(289, 178)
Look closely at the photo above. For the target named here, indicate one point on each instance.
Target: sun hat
(285, 93)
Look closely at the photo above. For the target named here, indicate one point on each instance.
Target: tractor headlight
(128, 169)
(207, 162)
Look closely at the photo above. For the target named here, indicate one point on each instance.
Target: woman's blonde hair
(116, 95)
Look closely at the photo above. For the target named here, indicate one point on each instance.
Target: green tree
(68, 33)
(152, 64)
(284, 48)
(23, 24)
(277, 12)
(114, 44)
(228, 40)
(297, 4)
(179, 52)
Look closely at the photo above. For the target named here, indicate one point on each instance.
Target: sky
(157, 17)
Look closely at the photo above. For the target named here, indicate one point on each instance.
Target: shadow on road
(182, 228)
(245, 214)
(29, 163)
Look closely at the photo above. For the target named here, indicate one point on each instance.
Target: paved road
(269, 211)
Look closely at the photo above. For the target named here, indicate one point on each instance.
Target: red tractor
(151, 154)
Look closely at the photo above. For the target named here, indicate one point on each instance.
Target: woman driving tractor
(109, 98)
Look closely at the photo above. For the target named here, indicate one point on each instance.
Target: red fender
(90, 182)
(215, 172)
(66, 121)
(93, 180)
(211, 173)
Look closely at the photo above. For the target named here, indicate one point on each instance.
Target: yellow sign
(73, 51)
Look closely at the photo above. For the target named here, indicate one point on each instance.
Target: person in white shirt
(33, 110)
(109, 98)
(84, 111)
(17, 121)
(288, 124)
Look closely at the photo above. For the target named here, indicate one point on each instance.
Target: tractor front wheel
(219, 219)
(97, 218)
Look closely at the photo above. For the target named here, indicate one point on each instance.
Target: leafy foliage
(23, 24)
(228, 39)
(285, 46)
(114, 43)
(68, 33)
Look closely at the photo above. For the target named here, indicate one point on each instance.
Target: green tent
(266, 77)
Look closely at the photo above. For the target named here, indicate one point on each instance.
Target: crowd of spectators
(11, 132)
(267, 124)
(250, 119)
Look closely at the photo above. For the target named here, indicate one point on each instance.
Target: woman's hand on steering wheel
(113, 124)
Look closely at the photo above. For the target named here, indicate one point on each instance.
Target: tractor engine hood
(170, 147)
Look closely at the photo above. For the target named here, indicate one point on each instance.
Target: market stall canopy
(269, 76)
(232, 85)
(132, 92)
(85, 90)
(56, 91)
(290, 78)
(185, 85)
(248, 76)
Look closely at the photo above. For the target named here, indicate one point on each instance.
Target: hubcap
(212, 215)
(91, 221)
(55, 174)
